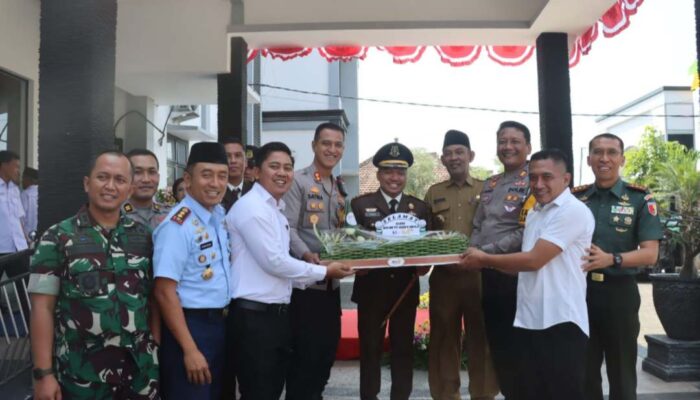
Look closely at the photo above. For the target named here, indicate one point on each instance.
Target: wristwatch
(617, 260)
(39, 373)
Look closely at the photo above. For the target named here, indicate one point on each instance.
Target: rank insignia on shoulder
(579, 189)
(128, 208)
(181, 215)
(638, 188)
(439, 200)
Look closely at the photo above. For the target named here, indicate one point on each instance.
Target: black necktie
(392, 205)
(236, 193)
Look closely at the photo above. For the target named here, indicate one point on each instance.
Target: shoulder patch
(181, 215)
(638, 188)
(582, 188)
(128, 208)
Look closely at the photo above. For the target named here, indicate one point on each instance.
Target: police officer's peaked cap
(393, 155)
(207, 152)
(455, 137)
(250, 152)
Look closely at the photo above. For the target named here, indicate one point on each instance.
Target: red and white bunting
(614, 21)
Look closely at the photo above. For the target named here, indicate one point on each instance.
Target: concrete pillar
(232, 93)
(76, 99)
(555, 93)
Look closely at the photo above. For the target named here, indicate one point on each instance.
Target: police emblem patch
(652, 208)
(128, 208)
(394, 152)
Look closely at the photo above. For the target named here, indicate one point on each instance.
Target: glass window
(177, 158)
(13, 114)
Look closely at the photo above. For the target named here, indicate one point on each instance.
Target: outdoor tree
(642, 160)
(422, 174)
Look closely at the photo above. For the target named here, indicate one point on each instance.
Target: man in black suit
(237, 186)
(376, 291)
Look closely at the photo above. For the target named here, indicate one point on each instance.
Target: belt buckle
(224, 312)
(597, 277)
(282, 309)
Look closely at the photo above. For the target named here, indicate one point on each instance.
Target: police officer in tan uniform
(315, 199)
(498, 229)
(378, 290)
(455, 295)
(141, 206)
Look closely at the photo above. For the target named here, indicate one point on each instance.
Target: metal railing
(15, 309)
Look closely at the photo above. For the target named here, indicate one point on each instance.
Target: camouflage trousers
(121, 380)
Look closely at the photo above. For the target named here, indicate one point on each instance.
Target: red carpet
(349, 345)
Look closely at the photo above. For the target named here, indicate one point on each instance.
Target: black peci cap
(455, 137)
(207, 152)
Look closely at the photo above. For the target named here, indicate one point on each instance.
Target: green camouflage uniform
(103, 347)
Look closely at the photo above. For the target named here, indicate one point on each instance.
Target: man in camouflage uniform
(626, 237)
(498, 229)
(90, 285)
(141, 207)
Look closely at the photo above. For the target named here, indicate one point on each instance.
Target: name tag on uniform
(626, 210)
(597, 277)
(206, 245)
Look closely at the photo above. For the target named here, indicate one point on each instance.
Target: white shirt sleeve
(271, 255)
(565, 227)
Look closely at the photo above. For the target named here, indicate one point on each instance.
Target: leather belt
(251, 305)
(207, 312)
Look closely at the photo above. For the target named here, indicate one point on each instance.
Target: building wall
(19, 55)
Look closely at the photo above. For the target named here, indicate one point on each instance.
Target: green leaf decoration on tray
(358, 244)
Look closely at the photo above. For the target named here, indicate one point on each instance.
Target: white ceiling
(171, 50)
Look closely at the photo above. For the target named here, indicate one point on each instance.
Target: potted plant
(677, 296)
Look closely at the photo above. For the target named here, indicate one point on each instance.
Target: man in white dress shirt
(551, 313)
(30, 198)
(12, 236)
(263, 276)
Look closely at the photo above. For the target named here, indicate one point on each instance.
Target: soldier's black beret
(455, 137)
(393, 155)
(207, 152)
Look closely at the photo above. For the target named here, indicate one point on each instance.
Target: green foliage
(480, 172)
(422, 174)
(642, 160)
(677, 176)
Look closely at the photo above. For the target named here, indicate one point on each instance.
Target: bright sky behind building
(656, 50)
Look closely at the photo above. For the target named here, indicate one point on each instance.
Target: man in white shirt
(30, 199)
(263, 276)
(551, 314)
(12, 236)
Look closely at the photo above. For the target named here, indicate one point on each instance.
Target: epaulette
(128, 208)
(363, 195)
(582, 188)
(181, 215)
(638, 188)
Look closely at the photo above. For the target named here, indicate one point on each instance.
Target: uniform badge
(651, 206)
(621, 230)
(628, 220)
(411, 206)
(89, 282)
(206, 235)
(522, 173)
(512, 197)
(199, 239)
(205, 246)
(195, 222)
(520, 183)
(394, 152)
(441, 218)
(509, 208)
(181, 215)
(493, 183)
(213, 256)
(208, 273)
(313, 218)
(625, 197)
(597, 277)
(312, 205)
(249, 154)
(616, 219)
(315, 190)
(156, 206)
(202, 258)
(320, 206)
(625, 210)
(128, 208)
(317, 176)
